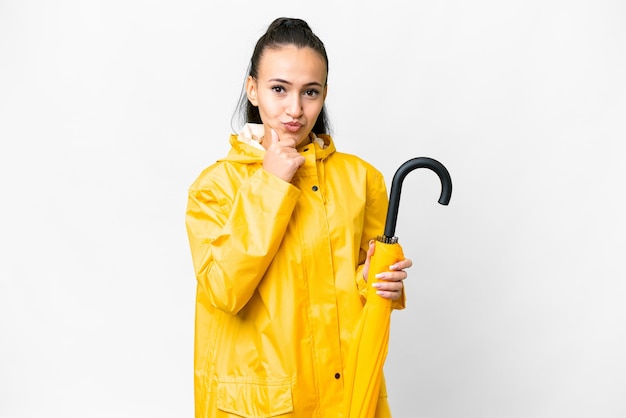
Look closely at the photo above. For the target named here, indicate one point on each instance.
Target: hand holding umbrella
(368, 349)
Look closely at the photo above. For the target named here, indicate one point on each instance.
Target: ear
(325, 90)
(251, 90)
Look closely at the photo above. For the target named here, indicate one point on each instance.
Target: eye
(311, 93)
(278, 89)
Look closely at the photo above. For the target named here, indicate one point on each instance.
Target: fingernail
(380, 276)
(376, 285)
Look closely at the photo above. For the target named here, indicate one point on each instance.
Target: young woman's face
(289, 91)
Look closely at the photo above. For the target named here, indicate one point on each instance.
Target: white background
(110, 109)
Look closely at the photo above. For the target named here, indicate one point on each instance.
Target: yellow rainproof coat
(280, 285)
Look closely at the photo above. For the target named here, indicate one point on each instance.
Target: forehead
(290, 63)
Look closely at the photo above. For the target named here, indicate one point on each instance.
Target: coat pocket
(255, 399)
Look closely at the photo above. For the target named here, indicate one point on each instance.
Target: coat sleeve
(233, 239)
(373, 225)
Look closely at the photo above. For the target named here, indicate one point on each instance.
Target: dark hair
(282, 31)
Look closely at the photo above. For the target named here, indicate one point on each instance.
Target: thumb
(370, 253)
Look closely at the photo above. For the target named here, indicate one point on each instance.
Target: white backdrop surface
(516, 302)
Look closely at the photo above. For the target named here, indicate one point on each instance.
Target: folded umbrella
(368, 349)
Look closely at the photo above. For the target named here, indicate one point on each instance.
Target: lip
(292, 126)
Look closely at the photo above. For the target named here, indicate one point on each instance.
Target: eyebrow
(280, 80)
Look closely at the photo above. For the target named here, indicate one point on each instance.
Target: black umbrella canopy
(396, 188)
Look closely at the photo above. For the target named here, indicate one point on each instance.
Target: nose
(294, 106)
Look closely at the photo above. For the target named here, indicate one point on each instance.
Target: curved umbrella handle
(396, 186)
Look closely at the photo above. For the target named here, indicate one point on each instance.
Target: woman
(281, 235)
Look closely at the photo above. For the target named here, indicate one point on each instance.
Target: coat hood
(246, 149)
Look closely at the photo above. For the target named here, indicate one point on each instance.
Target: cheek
(268, 108)
(313, 110)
